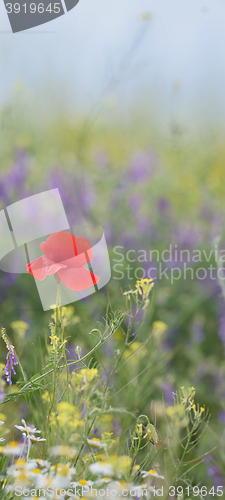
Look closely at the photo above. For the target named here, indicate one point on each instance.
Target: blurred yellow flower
(19, 327)
(137, 349)
(159, 327)
(89, 374)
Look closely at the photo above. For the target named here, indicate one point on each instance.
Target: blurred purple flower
(10, 279)
(168, 390)
(144, 225)
(18, 173)
(127, 240)
(118, 194)
(71, 354)
(221, 416)
(198, 330)
(151, 269)
(211, 283)
(163, 204)
(24, 410)
(109, 235)
(187, 236)
(214, 473)
(142, 165)
(57, 181)
(13, 182)
(2, 395)
(3, 192)
(86, 196)
(78, 196)
(16, 177)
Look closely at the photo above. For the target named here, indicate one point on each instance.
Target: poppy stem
(54, 370)
(57, 278)
(63, 342)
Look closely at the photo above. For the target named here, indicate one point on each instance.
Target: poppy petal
(42, 267)
(79, 260)
(83, 246)
(62, 246)
(78, 279)
(37, 268)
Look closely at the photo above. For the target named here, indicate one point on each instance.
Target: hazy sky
(83, 49)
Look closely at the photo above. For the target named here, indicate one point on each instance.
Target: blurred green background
(152, 175)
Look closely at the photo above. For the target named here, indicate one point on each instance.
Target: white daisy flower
(103, 480)
(43, 481)
(21, 463)
(101, 468)
(43, 463)
(35, 439)
(81, 482)
(96, 443)
(27, 429)
(152, 473)
(12, 448)
(63, 451)
(1, 422)
(142, 491)
(63, 476)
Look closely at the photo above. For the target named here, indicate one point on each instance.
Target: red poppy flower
(65, 254)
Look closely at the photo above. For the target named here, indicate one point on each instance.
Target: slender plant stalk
(54, 375)
(182, 458)
(63, 344)
(129, 330)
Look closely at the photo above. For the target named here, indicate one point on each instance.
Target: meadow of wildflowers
(124, 389)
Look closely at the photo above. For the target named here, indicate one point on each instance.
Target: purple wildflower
(163, 204)
(214, 473)
(78, 195)
(18, 172)
(11, 361)
(15, 179)
(2, 395)
(142, 166)
(198, 330)
(221, 416)
(168, 391)
(188, 236)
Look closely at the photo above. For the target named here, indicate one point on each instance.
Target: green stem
(71, 363)
(54, 376)
(182, 458)
(129, 330)
(62, 339)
